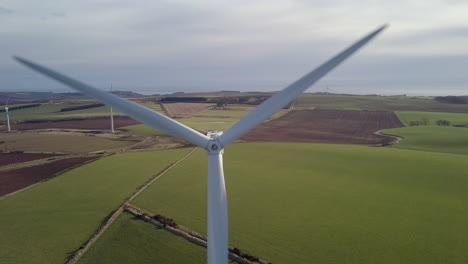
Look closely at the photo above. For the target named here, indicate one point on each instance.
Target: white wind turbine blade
(284, 97)
(136, 111)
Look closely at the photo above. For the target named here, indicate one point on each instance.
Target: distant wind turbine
(111, 115)
(7, 115)
(214, 142)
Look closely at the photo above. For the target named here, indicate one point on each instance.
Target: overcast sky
(168, 46)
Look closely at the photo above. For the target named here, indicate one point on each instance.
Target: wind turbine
(215, 142)
(111, 115)
(7, 115)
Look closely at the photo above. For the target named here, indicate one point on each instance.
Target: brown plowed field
(326, 126)
(13, 180)
(12, 158)
(97, 124)
(185, 109)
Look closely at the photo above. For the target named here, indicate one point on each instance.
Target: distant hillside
(452, 99)
(26, 97)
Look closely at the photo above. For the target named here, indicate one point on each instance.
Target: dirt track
(326, 126)
(97, 123)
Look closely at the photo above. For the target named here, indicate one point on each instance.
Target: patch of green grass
(231, 111)
(388, 103)
(50, 111)
(141, 129)
(408, 116)
(324, 203)
(30, 141)
(208, 123)
(131, 240)
(44, 111)
(432, 138)
(49, 221)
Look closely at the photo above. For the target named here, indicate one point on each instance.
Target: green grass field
(388, 103)
(48, 221)
(324, 203)
(130, 240)
(30, 141)
(455, 118)
(432, 138)
(51, 111)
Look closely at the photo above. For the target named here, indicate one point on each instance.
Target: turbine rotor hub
(214, 146)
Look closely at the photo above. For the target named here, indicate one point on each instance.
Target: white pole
(112, 120)
(217, 210)
(8, 118)
(111, 115)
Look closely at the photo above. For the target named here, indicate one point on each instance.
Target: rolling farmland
(16, 179)
(50, 142)
(326, 126)
(382, 103)
(48, 222)
(331, 203)
(288, 202)
(179, 110)
(12, 158)
(95, 123)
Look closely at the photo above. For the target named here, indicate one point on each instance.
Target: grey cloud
(6, 11)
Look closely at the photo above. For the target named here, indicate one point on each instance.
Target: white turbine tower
(215, 142)
(7, 115)
(111, 116)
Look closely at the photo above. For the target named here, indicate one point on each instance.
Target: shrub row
(81, 107)
(13, 108)
(165, 220)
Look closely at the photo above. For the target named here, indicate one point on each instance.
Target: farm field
(51, 111)
(207, 120)
(202, 124)
(52, 219)
(326, 126)
(432, 138)
(230, 111)
(384, 103)
(43, 111)
(39, 142)
(455, 118)
(16, 179)
(325, 203)
(95, 123)
(178, 110)
(129, 240)
(12, 158)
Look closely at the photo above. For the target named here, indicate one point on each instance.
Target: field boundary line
(164, 109)
(76, 255)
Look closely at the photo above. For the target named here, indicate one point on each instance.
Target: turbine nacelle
(214, 146)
